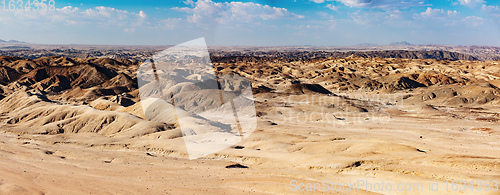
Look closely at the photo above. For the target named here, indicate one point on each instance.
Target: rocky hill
(142, 53)
(56, 94)
(303, 55)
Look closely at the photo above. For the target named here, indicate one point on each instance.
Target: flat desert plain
(343, 125)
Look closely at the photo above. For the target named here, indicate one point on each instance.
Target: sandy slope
(307, 151)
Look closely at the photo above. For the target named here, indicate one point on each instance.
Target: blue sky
(257, 23)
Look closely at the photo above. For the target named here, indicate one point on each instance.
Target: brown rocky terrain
(141, 53)
(77, 125)
(304, 55)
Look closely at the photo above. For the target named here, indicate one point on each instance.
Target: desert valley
(75, 125)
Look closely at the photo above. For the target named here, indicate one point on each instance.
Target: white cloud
(444, 17)
(142, 14)
(207, 11)
(332, 7)
(383, 4)
(473, 21)
(106, 12)
(68, 10)
(493, 11)
(246, 23)
(430, 18)
(189, 2)
(379, 18)
(103, 16)
(356, 3)
(471, 3)
(438, 13)
(170, 23)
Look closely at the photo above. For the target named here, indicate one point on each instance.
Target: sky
(252, 23)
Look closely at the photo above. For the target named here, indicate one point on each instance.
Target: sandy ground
(397, 145)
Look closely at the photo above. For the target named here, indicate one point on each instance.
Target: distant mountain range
(393, 50)
(11, 41)
(400, 43)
